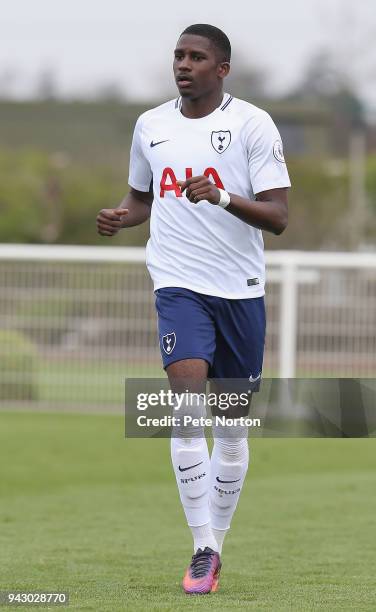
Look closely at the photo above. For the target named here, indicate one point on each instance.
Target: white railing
(291, 264)
(74, 321)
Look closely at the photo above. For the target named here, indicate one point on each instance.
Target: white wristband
(224, 200)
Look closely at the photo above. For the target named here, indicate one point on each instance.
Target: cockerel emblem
(168, 343)
(221, 140)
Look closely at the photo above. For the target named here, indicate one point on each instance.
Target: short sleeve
(267, 166)
(140, 174)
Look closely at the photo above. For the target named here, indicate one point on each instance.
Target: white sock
(202, 537)
(191, 463)
(229, 464)
(219, 535)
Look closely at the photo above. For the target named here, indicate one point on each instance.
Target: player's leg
(187, 338)
(191, 463)
(229, 465)
(239, 355)
(189, 449)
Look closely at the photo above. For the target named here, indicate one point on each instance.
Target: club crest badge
(221, 140)
(168, 343)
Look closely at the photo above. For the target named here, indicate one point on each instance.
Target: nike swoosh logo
(226, 481)
(251, 379)
(189, 467)
(154, 144)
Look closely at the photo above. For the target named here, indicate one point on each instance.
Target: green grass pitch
(85, 510)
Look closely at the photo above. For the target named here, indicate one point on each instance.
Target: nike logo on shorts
(252, 380)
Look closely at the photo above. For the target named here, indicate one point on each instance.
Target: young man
(210, 171)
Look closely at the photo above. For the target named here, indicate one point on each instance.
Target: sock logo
(222, 492)
(226, 481)
(189, 467)
(193, 479)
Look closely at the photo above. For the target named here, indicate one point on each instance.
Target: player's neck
(195, 109)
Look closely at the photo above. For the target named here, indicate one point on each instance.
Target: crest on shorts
(221, 140)
(168, 342)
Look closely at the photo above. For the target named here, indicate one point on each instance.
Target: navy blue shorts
(228, 334)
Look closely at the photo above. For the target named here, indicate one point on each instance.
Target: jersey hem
(188, 356)
(138, 186)
(213, 292)
(267, 186)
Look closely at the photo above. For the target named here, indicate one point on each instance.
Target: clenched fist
(200, 188)
(111, 220)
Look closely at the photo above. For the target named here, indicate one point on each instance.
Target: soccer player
(209, 170)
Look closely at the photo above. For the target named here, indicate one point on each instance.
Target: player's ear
(223, 69)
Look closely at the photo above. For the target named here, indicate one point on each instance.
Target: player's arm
(133, 210)
(136, 206)
(268, 212)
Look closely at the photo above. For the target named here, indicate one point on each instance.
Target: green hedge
(55, 199)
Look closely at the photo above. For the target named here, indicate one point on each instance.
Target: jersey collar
(226, 100)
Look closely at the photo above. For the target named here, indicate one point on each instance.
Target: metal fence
(76, 321)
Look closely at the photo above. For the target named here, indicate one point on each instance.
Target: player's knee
(189, 413)
(233, 451)
(231, 446)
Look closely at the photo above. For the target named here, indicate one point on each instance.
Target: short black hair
(215, 35)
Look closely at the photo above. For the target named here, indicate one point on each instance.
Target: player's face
(197, 69)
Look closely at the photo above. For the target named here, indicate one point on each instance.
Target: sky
(89, 44)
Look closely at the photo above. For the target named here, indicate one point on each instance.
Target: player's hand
(200, 188)
(111, 220)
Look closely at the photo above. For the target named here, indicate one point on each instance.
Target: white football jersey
(202, 246)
